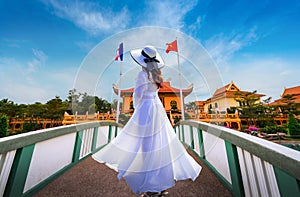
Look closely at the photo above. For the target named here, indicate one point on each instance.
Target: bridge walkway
(90, 178)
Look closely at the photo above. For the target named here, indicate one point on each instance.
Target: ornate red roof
(166, 88)
(295, 91)
(291, 91)
(227, 88)
(230, 90)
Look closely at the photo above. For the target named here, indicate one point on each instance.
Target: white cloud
(88, 16)
(37, 61)
(223, 47)
(196, 26)
(27, 83)
(167, 13)
(86, 45)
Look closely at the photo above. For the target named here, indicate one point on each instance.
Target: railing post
(95, 135)
(77, 146)
(201, 145)
(19, 171)
(182, 130)
(288, 185)
(235, 171)
(192, 137)
(109, 134)
(179, 132)
(116, 131)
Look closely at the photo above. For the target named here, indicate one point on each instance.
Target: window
(131, 105)
(173, 104)
(216, 105)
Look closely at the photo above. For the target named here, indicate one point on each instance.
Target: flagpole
(120, 57)
(180, 84)
(119, 94)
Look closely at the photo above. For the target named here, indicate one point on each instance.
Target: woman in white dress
(147, 152)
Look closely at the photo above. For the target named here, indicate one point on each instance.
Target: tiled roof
(167, 88)
(295, 91)
(231, 87)
(292, 90)
(230, 91)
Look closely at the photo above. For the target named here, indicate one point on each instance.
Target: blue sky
(256, 44)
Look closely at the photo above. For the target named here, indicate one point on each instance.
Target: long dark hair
(155, 72)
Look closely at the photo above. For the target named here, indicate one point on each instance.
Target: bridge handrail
(266, 150)
(247, 159)
(21, 140)
(29, 161)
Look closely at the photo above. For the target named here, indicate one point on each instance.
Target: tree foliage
(293, 126)
(82, 103)
(30, 126)
(255, 112)
(3, 126)
(289, 105)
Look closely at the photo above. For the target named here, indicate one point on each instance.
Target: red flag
(172, 46)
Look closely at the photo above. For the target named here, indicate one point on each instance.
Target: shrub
(273, 129)
(251, 130)
(293, 126)
(30, 126)
(176, 119)
(3, 126)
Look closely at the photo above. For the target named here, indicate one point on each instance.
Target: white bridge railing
(247, 165)
(31, 160)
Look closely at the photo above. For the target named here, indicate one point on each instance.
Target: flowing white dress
(147, 152)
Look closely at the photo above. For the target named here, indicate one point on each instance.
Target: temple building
(226, 97)
(290, 96)
(169, 96)
(216, 110)
(293, 92)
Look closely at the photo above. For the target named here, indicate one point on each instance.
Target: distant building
(169, 96)
(293, 91)
(291, 96)
(225, 97)
(215, 109)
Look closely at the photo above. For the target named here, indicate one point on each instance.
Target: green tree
(260, 114)
(102, 105)
(191, 106)
(85, 103)
(30, 126)
(36, 110)
(3, 126)
(21, 111)
(73, 100)
(293, 126)
(56, 108)
(73, 96)
(8, 108)
(248, 106)
(92, 108)
(289, 105)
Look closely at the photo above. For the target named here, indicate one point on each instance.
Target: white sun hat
(148, 53)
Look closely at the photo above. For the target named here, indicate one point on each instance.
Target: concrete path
(90, 178)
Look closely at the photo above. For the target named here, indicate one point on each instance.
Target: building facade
(169, 96)
(226, 97)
